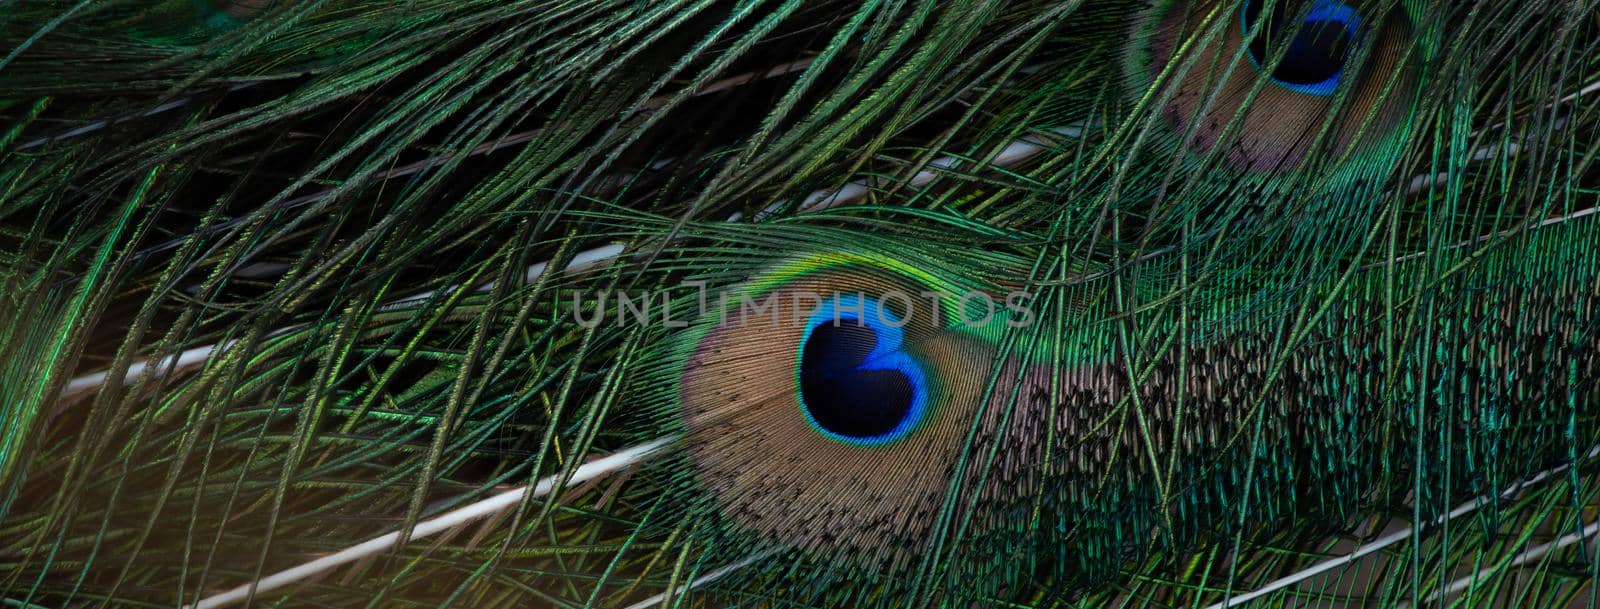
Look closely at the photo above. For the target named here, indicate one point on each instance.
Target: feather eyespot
(857, 384)
(832, 416)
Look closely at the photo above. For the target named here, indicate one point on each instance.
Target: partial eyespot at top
(191, 22)
(1269, 85)
(243, 10)
(1320, 44)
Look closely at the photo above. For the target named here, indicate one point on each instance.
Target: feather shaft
(1387, 540)
(454, 518)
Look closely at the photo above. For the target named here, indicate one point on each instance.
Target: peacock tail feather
(689, 303)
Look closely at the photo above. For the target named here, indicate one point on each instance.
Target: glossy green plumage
(1232, 376)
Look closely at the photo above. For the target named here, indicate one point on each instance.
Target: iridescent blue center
(1322, 41)
(857, 385)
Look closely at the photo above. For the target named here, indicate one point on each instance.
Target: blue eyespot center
(1320, 46)
(856, 384)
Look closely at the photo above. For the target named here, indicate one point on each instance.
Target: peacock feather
(778, 303)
